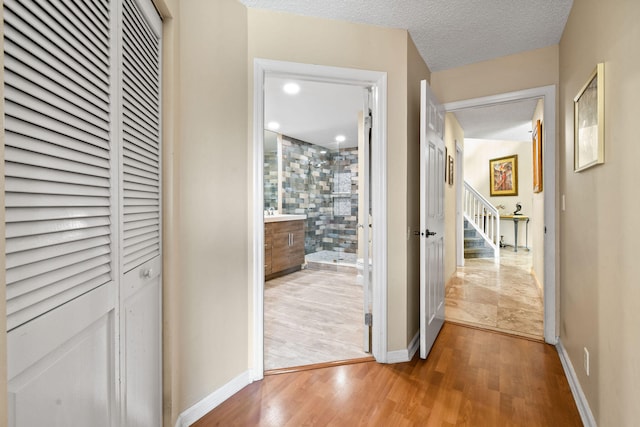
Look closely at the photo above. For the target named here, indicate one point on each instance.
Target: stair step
(474, 242)
(478, 253)
(470, 232)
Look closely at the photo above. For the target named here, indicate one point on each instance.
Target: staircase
(481, 226)
(475, 246)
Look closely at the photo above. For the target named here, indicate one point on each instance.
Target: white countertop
(283, 217)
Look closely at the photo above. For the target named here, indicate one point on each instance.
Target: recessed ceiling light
(291, 88)
(341, 138)
(323, 152)
(273, 125)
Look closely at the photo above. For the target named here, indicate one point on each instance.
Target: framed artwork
(537, 157)
(588, 120)
(503, 176)
(450, 170)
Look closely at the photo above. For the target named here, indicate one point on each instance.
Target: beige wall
(286, 37)
(207, 211)
(417, 71)
(600, 295)
(536, 228)
(171, 260)
(453, 134)
(511, 73)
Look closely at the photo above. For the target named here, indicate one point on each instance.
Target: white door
(432, 163)
(140, 224)
(364, 215)
(82, 174)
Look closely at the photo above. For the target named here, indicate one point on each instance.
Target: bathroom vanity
(283, 244)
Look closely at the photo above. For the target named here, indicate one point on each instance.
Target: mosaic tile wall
(270, 180)
(309, 188)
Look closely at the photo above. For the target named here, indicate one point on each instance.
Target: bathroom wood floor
(471, 378)
(311, 317)
(500, 297)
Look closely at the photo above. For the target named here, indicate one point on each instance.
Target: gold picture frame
(503, 176)
(588, 119)
(537, 157)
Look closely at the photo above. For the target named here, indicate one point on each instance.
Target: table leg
(515, 234)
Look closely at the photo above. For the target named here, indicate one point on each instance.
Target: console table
(516, 219)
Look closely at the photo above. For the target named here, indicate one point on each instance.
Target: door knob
(147, 273)
(428, 233)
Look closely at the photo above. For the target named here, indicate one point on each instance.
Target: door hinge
(368, 319)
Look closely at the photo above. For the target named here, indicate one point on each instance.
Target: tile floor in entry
(313, 316)
(501, 297)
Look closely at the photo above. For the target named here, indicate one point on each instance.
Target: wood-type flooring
(311, 317)
(471, 378)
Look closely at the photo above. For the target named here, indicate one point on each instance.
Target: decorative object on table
(503, 176)
(588, 119)
(518, 209)
(450, 170)
(537, 157)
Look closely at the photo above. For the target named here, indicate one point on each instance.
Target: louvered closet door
(141, 232)
(83, 228)
(61, 295)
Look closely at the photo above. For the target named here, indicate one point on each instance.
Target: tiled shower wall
(270, 180)
(310, 187)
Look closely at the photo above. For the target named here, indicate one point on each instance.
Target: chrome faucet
(270, 210)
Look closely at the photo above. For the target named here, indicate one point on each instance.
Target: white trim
(206, 405)
(405, 355)
(364, 78)
(548, 94)
(578, 395)
(459, 174)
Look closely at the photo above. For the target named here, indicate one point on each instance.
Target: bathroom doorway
(314, 168)
(316, 180)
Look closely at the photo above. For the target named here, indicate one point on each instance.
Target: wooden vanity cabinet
(283, 247)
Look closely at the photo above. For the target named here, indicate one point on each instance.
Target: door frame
(364, 78)
(551, 266)
(459, 173)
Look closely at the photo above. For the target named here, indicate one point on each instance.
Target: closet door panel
(141, 298)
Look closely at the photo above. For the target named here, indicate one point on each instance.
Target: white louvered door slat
(56, 157)
(141, 131)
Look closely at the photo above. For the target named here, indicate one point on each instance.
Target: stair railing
(483, 216)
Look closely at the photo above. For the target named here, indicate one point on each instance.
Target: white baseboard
(200, 409)
(578, 395)
(405, 355)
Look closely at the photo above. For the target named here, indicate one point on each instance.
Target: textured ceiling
(448, 33)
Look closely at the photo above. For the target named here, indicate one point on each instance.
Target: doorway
(548, 213)
(316, 176)
(311, 168)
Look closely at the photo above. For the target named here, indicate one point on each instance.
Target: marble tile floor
(500, 297)
(312, 316)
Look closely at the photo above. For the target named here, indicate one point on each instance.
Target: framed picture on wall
(503, 176)
(588, 119)
(537, 157)
(450, 170)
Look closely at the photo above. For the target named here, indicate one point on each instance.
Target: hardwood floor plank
(471, 378)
